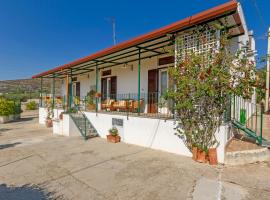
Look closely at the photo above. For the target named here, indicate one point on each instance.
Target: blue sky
(36, 35)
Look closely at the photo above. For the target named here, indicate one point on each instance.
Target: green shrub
(8, 107)
(32, 105)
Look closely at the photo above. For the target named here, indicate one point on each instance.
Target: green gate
(248, 116)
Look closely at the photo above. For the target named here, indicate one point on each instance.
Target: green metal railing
(84, 125)
(247, 116)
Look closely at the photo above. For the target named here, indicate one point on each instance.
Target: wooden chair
(107, 104)
(136, 105)
(120, 105)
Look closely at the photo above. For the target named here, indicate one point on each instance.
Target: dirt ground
(34, 164)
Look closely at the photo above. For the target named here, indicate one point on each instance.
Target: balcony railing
(128, 104)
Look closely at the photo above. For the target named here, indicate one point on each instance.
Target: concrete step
(265, 144)
(247, 156)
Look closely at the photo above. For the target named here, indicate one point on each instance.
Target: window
(163, 82)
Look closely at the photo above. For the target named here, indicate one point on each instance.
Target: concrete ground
(34, 164)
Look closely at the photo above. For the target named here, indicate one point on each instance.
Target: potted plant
(49, 122)
(98, 95)
(212, 154)
(113, 135)
(61, 116)
(90, 100)
(194, 153)
(201, 156)
(203, 88)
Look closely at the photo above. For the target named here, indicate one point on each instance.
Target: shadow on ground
(23, 119)
(4, 146)
(2, 130)
(25, 192)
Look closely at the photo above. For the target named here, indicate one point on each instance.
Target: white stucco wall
(153, 133)
(147, 132)
(127, 78)
(43, 114)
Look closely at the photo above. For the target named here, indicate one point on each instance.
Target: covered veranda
(142, 95)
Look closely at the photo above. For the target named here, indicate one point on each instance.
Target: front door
(76, 89)
(109, 87)
(153, 91)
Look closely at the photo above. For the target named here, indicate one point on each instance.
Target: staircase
(248, 117)
(85, 127)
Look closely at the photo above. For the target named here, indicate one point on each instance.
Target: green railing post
(84, 127)
(85, 98)
(64, 103)
(70, 90)
(129, 104)
(96, 87)
(261, 128)
(53, 92)
(233, 107)
(41, 91)
(139, 83)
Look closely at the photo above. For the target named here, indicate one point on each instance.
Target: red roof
(187, 22)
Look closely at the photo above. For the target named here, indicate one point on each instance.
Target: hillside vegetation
(26, 88)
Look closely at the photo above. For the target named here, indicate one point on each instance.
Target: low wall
(152, 133)
(65, 127)
(9, 118)
(147, 132)
(43, 114)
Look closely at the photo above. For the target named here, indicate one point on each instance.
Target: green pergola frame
(137, 52)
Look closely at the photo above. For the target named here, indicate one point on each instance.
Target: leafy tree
(260, 84)
(203, 85)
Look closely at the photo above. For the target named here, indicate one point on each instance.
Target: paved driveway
(34, 164)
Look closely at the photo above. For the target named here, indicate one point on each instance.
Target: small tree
(260, 84)
(203, 85)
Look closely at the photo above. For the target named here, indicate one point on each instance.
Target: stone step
(247, 156)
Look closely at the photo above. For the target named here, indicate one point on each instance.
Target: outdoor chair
(136, 105)
(107, 104)
(120, 105)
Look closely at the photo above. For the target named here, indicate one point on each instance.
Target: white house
(132, 76)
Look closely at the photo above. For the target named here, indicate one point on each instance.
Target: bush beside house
(9, 110)
(203, 85)
(32, 105)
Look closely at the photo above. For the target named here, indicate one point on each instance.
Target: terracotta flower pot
(201, 156)
(113, 139)
(98, 95)
(49, 123)
(194, 153)
(91, 106)
(61, 116)
(212, 153)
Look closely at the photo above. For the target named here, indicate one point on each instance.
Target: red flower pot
(201, 156)
(194, 153)
(113, 139)
(49, 123)
(98, 95)
(61, 116)
(212, 153)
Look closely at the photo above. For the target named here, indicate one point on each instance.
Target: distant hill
(28, 85)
